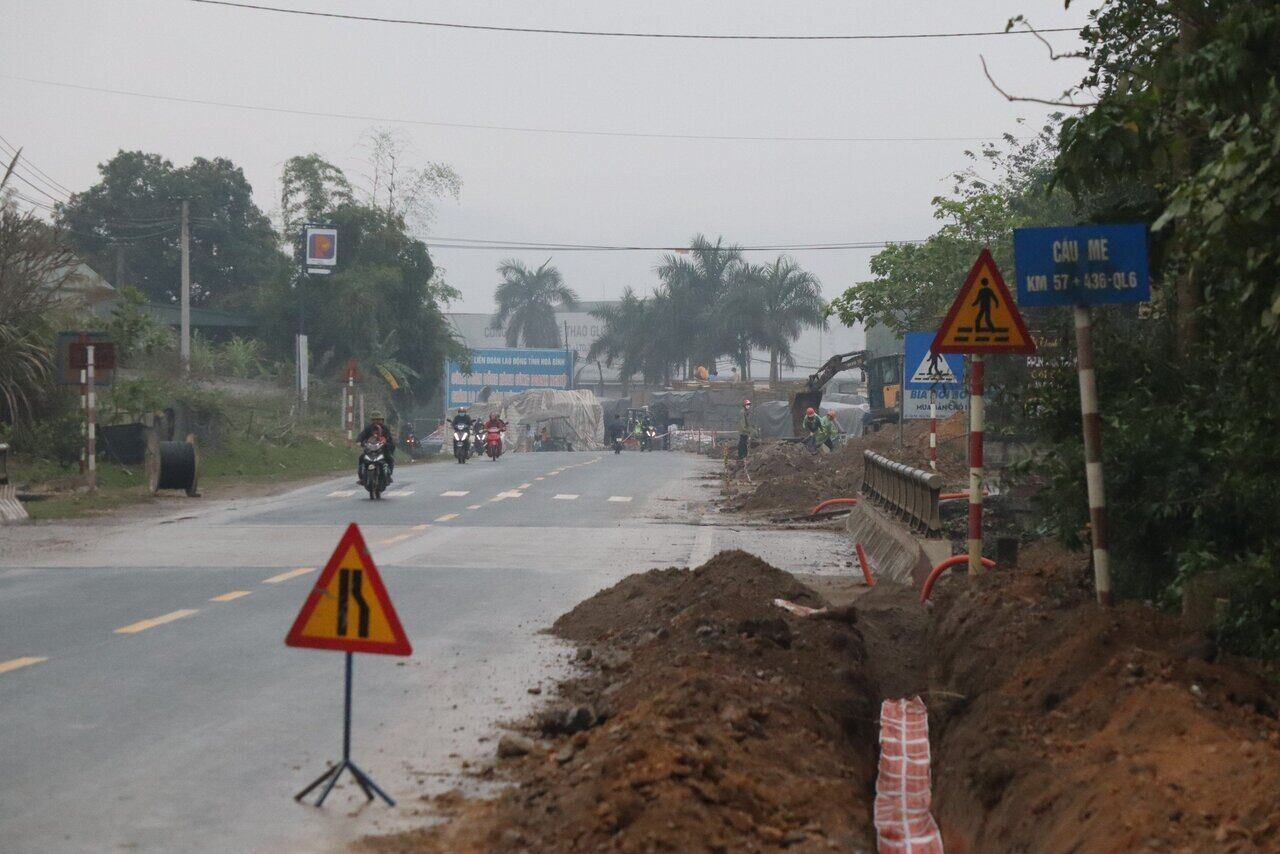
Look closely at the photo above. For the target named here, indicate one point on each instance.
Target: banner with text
(503, 371)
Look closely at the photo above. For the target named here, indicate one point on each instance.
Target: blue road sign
(1081, 265)
(924, 372)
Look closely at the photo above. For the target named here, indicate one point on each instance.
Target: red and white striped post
(84, 425)
(91, 437)
(350, 394)
(933, 428)
(1091, 421)
(976, 416)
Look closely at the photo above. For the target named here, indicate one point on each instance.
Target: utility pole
(184, 347)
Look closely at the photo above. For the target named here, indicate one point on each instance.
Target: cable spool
(173, 465)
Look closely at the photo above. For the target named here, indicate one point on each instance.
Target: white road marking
(15, 663)
(143, 625)
(524, 486)
(539, 478)
(620, 498)
(421, 527)
(510, 493)
(446, 517)
(228, 597)
(398, 493)
(397, 538)
(285, 576)
(565, 497)
(703, 546)
(343, 493)
(455, 493)
(474, 506)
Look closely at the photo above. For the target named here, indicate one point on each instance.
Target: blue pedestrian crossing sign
(926, 369)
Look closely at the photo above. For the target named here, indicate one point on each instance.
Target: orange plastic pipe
(832, 501)
(866, 568)
(943, 567)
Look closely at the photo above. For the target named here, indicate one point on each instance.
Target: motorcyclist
(462, 419)
(377, 429)
(495, 423)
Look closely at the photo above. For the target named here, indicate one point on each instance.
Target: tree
(697, 286)
(310, 187)
(527, 301)
(401, 190)
(130, 220)
(35, 263)
(790, 301)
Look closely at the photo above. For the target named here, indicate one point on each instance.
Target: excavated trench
(706, 718)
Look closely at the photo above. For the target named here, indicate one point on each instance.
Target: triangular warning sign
(934, 368)
(984, 318)
(349, 610)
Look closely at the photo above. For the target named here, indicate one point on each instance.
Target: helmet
(493, 416)
(376, 415)
(810, 411)
(746, 402)
(831, 413)
(462, 408)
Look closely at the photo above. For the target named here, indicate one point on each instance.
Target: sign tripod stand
(365, 782)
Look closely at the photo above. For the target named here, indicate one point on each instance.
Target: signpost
(1081, 266)
(983, 319)
(349, 611)
(319, 257)
(937, 376)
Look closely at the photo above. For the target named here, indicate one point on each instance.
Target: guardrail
(910, 494)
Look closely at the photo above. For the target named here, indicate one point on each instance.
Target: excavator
(884, 384)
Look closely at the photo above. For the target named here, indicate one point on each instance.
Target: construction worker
(745, 430)
(832, 430)
(813, 426)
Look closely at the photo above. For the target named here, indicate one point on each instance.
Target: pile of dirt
(705, 717)
(1063, 726)
(785, 476)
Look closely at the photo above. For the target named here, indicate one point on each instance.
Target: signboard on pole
(984, 318)
(320, 248)
(505, 371)
(349, 610)
(927, 369)
(1081, 265)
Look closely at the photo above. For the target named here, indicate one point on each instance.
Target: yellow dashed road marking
(285, 576)
(143, 625)
(15, 663)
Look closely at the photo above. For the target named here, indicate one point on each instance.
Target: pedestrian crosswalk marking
(620, 498)
(455, 493)
(343, 493)
(565, 497)
(399, 493)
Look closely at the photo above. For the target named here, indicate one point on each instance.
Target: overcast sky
(552, 187)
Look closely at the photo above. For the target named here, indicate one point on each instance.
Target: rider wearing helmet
(377, 429)
(495, 422)
(463, 419)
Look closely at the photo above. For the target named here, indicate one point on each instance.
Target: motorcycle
(477, 434)
(377, 473)
(411, 444)
(493, 439)
(617, 442)
(461, 443)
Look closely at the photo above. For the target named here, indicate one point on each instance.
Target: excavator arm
(812, 393)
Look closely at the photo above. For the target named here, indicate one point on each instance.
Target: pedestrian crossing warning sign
(984, 318)
(349, 610)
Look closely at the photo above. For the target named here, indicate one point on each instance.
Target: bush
(56, 436)
(242, 357)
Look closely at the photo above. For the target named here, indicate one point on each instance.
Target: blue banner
(1081, 265)
(505, 372)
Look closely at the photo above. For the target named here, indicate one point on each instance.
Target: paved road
(149, 702)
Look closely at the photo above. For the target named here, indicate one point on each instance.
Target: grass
(236, 461)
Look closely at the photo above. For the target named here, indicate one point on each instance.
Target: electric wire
(206, 102)
(311, 13)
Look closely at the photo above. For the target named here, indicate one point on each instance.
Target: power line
(204, 102)
(455, 243)
(48, 181)
(622, 34)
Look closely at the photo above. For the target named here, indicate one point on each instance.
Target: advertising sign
(1081, 265)
(505, 372)
(321, 249)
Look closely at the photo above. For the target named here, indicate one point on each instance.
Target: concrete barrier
(899, 555)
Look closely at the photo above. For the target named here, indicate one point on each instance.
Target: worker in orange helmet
(745, 430)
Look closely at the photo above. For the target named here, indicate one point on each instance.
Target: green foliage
(134, 209)
(204, 354)
(57, 436)
(130, 399)
(132, 327)
(241, 357)
(527, 301)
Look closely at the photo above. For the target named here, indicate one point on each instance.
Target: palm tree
(633, 339)
(696, 286)
(527, 301)
(790, 301)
